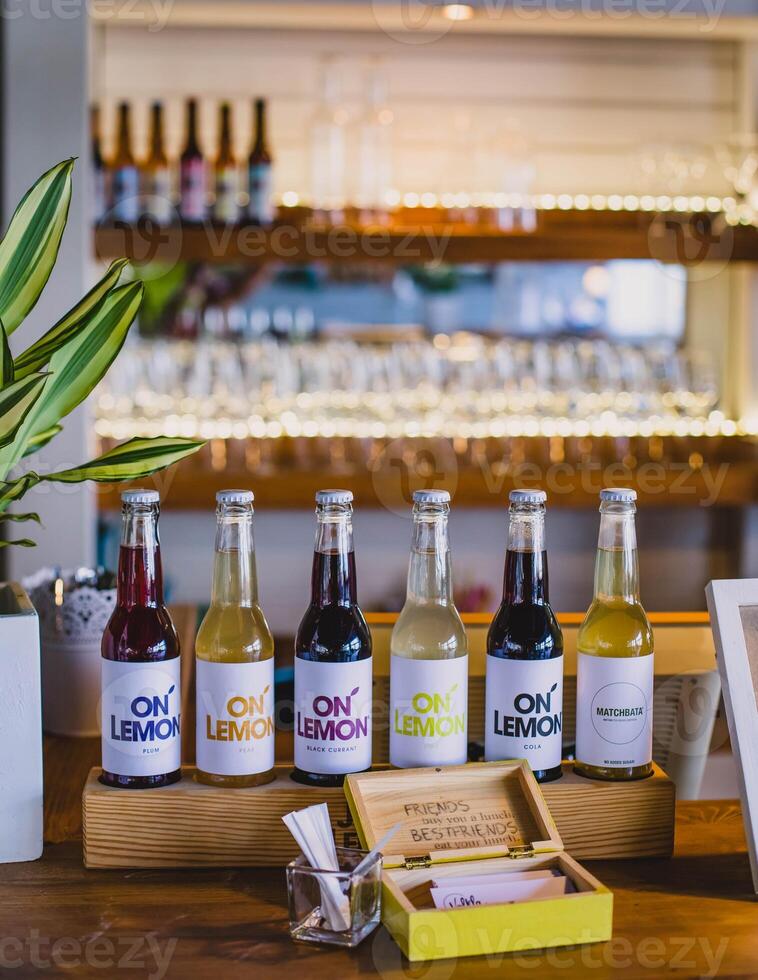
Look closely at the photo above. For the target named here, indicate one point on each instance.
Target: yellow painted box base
(426, 933)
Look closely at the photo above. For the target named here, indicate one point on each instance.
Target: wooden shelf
(427, 235)
(688, 473)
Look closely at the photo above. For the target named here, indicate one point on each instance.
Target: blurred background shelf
(424, 235)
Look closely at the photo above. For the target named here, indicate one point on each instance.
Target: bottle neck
(192, 148)
(225, 141)
(124, 143)
(429, 571)
(140, 575)
(156, 135)
(235, 579)
(259, 142)
(333, 581)
(525, 578)
(616, 567)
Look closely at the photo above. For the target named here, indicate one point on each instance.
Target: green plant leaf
(78, 366)
(40, 352)
(7, 373)
(31, 516)
(129, 461)
(15, 489)
(36, 443)
(16, 401)
(20, 542)
(30, 246)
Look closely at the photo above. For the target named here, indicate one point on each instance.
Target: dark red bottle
(141, 684)
(332, 657)
(524, 685)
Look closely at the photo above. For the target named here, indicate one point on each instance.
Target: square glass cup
(336, 907)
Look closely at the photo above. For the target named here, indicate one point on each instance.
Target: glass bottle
(328, 150)
(524, 673)
(226, 176)
(234, 659)
(332, 657)
(429, 652)
(141, 688)
(156, 172)
(125, 204)
(260, 208)
(192, 172)
(97, 169)
(614, 676)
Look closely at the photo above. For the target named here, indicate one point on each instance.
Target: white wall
(44, 120)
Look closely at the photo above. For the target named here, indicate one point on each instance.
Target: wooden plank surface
(691, 916)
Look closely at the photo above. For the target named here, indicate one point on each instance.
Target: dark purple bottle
(524, 686)
(332, 657)
(141, 702)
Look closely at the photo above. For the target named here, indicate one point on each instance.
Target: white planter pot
(71, 627)
(21, 819)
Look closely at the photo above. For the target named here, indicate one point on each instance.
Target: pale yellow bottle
(614, 696)
(235, 660)
(429, 662)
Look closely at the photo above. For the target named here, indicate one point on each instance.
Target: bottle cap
(324, 497)
(618, 495)
(431, 497)
(140, 496)
(527, 496)
(235, 497)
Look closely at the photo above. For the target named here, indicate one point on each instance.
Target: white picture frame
(733, 609)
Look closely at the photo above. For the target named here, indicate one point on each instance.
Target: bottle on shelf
(429, 652)
(523, 717)
(141, 689)
(226, 204)
(124, 179)
(328, 150)
(234, 659)
(193, 204)
(614, 677)
(333, 660)
(260, 207)
(156, 173)
(98, 171)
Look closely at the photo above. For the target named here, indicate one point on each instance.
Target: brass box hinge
(420, 861)
(521, 851)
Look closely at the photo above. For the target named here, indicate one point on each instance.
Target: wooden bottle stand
(189, 825)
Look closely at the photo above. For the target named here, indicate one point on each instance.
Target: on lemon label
(235, 717)
(428, 712)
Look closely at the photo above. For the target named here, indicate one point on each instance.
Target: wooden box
(191, 825)
(475, 819)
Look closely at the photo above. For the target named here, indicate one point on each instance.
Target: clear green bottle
(429, 663)
(614, 697)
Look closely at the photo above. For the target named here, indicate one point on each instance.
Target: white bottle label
(428, 712)
(226, 205)
(158, 204)
(614, 710)
(333, 716)
(261, 205)
(141, 715)
(523, 715)
(235, 717)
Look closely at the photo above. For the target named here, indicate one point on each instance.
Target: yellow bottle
(614, 682)
(235, 660)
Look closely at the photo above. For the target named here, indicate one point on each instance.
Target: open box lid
(454, 813)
